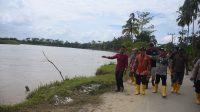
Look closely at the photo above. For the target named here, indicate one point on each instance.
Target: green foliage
(188, 13)
(131, 27)
(139, 44)
(139, 27)
(105, 69)
(146, 37)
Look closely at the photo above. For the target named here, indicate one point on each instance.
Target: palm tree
(185, 16)
(181, 20)
(131, 26)
(188, 14)
(144, 18)
(194, 9)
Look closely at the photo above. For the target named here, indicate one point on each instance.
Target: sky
(83, 20)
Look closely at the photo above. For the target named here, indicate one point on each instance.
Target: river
(25, 65)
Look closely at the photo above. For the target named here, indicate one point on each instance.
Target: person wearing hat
(161, 71)
(196, 78)
(179, 64)
(142, 69)
(132, 64)
(151, 51)
(122, 64)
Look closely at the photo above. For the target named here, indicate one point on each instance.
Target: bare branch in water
(53, 65)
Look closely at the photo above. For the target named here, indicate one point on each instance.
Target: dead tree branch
(53, 65)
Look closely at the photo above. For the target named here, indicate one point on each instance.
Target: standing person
(195, 59)
(170, 60)
(132, 64)
(193, 64)
(142, 68)
(196, 78)
(179, 64)
(122, 64)
(161, 71)
(152, 52)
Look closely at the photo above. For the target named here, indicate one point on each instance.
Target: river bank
(25, 65)
(69, 95)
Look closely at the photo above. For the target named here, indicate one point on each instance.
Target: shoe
(155, 88)
(178, 86)
(173, 88)
(137, 91)
(198, 98)
(134, 83)
(164, 90)
(143, 89)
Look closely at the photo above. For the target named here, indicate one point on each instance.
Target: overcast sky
(83, 20)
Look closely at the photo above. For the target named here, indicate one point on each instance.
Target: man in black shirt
(152, 52)
(179, 64)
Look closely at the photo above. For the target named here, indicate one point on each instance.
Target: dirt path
(128, 102)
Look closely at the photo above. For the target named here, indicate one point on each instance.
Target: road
(151, 102)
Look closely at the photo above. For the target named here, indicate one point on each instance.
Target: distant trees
(9, 40)
(139, 27)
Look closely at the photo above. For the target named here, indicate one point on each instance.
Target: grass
(44, 95)
(103, 70)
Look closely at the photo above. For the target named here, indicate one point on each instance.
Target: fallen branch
(53, 65)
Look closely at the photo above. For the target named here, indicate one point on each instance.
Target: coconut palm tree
(188, 14)
(131, 27)
(185, 17)
(192, 6)
(181, 20)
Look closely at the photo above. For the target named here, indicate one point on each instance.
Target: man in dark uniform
(179, 64)
(152, 52)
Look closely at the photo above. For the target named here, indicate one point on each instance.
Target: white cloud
(168, 38)
(78, 20)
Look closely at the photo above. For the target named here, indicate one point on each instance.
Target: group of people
(153, 63)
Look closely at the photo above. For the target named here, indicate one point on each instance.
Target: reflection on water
(22, 65)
